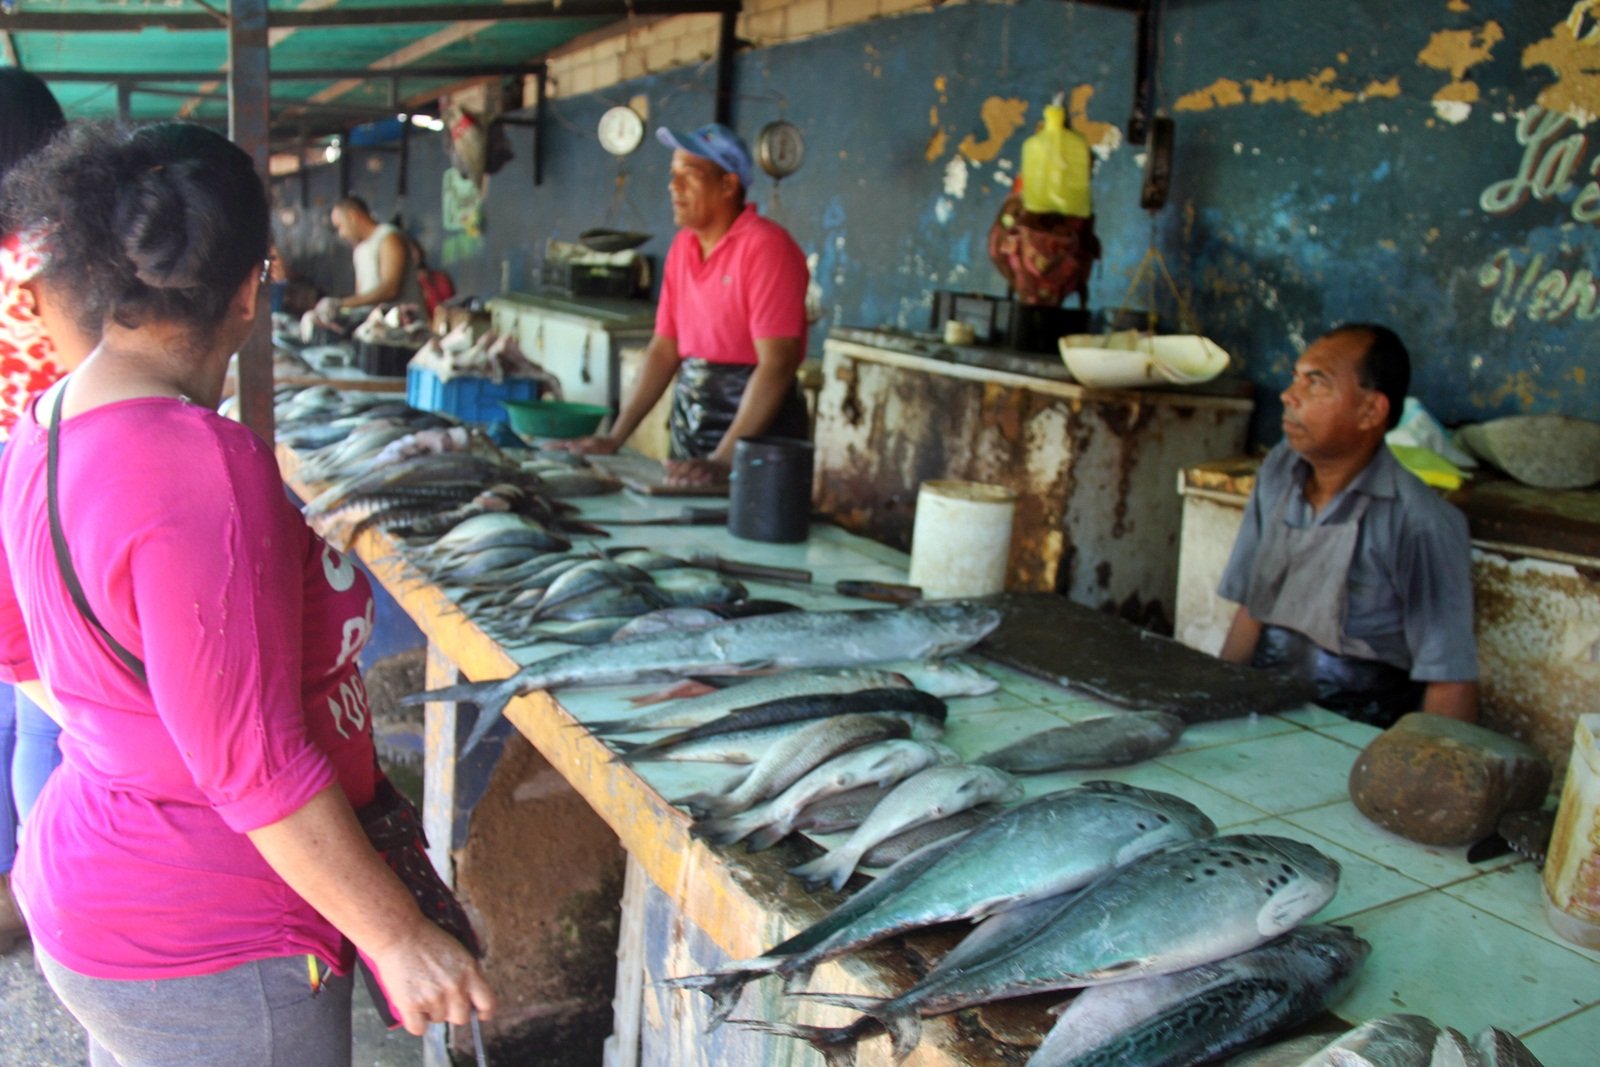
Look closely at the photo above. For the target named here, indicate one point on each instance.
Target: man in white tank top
(385, 260)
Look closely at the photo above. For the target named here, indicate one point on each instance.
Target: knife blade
(690, 515)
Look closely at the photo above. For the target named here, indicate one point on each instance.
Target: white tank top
(368, 275)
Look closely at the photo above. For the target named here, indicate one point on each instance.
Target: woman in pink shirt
(194, 877)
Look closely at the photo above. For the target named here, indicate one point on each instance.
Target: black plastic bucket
(769, 489)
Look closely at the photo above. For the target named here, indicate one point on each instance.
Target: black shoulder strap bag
(391, 821)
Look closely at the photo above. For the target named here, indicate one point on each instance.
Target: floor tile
(1312, 716)
(1277, 774)
(1229, 731)
(1463, 967)
(1363, 884)
(1430, 864)
(1569, 1043)
(1225, 811)
(1358, 735)
(1515, 893)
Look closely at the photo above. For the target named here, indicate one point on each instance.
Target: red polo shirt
(752, 287)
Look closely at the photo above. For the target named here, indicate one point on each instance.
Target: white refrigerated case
(577, 339)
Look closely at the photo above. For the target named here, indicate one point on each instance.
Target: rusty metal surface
(1538, 648)
(1097, 518)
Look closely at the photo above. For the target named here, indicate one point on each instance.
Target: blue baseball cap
(715, 142)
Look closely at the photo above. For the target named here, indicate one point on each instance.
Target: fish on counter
(892, 850)
(1192, 1016)
(880, 764)
(843, 812)
(676, 619)
(689, 712)
(932, 794)
(1178, 908)
(1104, 741)
(790, 758)
(912, 705)
(1052, 845)
(1404, 1040)
(793, 639)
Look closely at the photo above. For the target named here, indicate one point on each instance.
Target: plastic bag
(1418, 428)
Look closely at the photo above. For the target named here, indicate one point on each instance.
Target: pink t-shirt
(134, 864)
(752, 287)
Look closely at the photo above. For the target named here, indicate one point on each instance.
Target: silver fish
(1103, 741)
(946, 677)
(1496, 1048)
(1049, 846)
(1192, 1016)
(926, 796)
(585, 578)
(694, 587)
(791, 758)
(892, 850)
(843, 812)
(690, 712)
(1398, 1040)
(793, 639)
(877, 764)
(1179, 908)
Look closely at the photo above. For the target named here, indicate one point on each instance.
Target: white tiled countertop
(1465, 944)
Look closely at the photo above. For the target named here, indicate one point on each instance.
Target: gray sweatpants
(260, 1014)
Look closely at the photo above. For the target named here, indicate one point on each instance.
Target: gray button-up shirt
(1410, 583)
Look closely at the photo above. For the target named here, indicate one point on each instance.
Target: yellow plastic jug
(1055, 168)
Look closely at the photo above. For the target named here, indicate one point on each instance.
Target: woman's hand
(431, 978)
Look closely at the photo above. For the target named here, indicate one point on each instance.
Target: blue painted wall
(1334, 161)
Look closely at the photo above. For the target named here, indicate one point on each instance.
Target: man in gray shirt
(1348, 570)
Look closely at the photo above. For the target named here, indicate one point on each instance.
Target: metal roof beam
(100, 22)
(329, 74)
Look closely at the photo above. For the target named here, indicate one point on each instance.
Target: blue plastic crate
(468, 399)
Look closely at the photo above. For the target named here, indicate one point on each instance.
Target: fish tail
(905, 1031)
(836, 1043)
(834, 868)
(722, 987)
(766, 837)
(624, 748)
(721, 831)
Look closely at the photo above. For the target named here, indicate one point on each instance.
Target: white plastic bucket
(961, 539)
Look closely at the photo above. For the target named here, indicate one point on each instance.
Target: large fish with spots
(1175, 1020)
(1183, 907)
(1048, 846)
(791, 639)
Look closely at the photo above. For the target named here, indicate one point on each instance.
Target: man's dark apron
(707, 398)
(1299, 590)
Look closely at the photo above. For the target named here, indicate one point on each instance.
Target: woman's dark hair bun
(162, 221)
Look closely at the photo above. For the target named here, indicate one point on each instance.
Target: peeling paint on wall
(1104, 137)
(1316, 95)
(1572, 51)
(1001, 117)
(1458, 51)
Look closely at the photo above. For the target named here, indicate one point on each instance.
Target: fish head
(943, 755)
(1297, 880)
(1334, 953)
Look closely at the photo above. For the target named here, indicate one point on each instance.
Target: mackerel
(1398, 1040)
(892, 850)
(799, 708)
(694, 711)
(1193, 1016)
(1178, 908)
(1055, 844)
(791, 758)
(925, 796)
(794, 639)
(878, 764)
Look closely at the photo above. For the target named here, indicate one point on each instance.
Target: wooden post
(248, 121)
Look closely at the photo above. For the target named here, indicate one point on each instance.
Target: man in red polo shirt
(731, 322)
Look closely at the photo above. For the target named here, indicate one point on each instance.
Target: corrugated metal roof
(72, 43)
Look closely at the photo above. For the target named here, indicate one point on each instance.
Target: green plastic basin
(553, 418)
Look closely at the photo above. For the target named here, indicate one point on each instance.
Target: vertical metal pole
(1144, 73)
(541, 113)
(301, 148)
(401, 179)
(249, 105)
(124, 103)
(727, 42)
